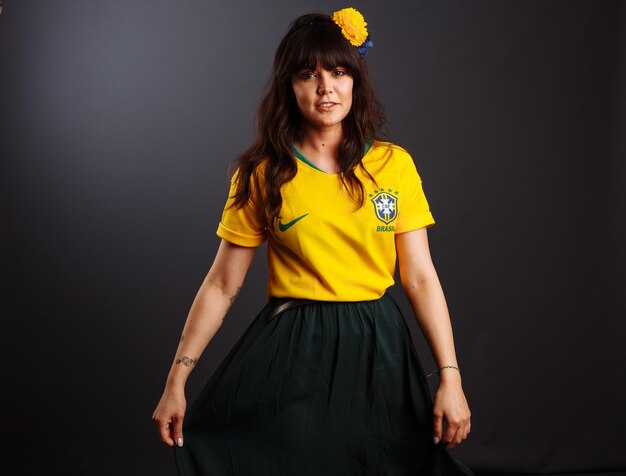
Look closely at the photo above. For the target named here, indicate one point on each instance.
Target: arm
(423, 289)
(213, 300)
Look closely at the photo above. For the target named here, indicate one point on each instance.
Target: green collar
(301, 156)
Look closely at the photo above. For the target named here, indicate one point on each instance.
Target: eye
(340, 72)
(307, 74)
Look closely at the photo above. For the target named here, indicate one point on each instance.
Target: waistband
(289, 303)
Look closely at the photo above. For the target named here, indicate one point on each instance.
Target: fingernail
(179, 441)
(436, 439)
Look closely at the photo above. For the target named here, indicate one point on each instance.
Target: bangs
(321, 43)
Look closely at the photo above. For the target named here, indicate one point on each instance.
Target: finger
(165, 433)
(459, 436)
(450, 434)
(178, 431)
(437, 427)
(465, 430)
(464, 433)
(454, 440)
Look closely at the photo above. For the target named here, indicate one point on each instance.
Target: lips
(326, 106)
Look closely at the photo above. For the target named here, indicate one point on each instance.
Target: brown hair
(311, 38)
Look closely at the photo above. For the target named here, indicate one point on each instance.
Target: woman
(325, 381)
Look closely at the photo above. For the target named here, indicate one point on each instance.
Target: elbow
(411, 285)
(225, 285)
(414, 283)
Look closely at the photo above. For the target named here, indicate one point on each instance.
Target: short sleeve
(241, 226)
(413, 208)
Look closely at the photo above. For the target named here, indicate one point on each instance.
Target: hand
(450, 404)
(168, 417)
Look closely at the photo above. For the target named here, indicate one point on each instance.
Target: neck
(321, 141)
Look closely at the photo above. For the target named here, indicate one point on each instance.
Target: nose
(324, 90)
(325, 83)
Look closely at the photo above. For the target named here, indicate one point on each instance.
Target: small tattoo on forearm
(186, 361)
(232, 301)
(234, 296)
(182, 338)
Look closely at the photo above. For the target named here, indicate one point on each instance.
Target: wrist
(449, 375)
(447, 372)
(175, 383)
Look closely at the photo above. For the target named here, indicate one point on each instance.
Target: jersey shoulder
(388, 154)
(385, 149)
(257, 173)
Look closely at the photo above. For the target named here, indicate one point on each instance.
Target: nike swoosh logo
(285, 226)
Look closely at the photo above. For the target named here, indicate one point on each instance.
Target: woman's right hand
(213, 300)
(168, 416)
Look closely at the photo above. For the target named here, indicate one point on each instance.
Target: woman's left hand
(450, 405)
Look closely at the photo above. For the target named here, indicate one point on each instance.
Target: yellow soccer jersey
(326, 249)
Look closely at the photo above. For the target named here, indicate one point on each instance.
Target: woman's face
(315, 89)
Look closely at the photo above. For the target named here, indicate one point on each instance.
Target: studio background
(118, 121)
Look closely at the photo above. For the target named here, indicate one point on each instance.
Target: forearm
(431, 312)
(205, 317)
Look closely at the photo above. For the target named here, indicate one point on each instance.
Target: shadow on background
(119, 120)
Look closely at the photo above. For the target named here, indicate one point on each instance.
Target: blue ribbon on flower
(368, 43)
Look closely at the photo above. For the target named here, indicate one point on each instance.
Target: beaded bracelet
(444, 367)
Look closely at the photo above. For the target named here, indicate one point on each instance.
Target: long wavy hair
(311, 39)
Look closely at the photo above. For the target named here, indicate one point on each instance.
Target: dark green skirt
(325, 388)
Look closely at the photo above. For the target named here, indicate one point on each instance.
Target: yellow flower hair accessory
(354, 28)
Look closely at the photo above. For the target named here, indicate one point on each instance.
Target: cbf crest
(385, 204)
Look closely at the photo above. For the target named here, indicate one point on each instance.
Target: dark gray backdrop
(118, 120)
